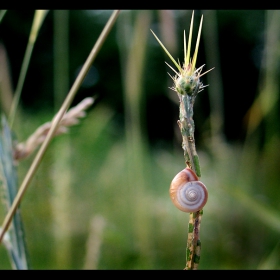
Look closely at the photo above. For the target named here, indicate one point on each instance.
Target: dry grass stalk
(24, 149)
(94, 242)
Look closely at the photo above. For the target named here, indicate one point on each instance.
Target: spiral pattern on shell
(187, 193)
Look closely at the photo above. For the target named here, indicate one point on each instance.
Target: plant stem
(186, 125)
(193, 243)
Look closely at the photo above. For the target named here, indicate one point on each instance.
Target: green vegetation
(99, 199)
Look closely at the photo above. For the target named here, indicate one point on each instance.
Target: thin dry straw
(56, 121)
(94, 242)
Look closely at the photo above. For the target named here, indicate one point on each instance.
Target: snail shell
(187, 193)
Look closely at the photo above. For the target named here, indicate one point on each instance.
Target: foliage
(119, 161)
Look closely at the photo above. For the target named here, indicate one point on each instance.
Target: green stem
(187, 127)
(193, 243)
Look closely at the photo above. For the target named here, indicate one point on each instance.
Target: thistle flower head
(186, 80)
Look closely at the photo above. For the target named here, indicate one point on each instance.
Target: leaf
(15, 242)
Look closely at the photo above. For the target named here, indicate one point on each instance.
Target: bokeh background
(99, 199)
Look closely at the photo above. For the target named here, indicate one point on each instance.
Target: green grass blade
(8, 187)
(37, 22)
(2, 13)
(272, 260)
(263, 213)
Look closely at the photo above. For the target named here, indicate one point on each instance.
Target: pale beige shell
(187, 193)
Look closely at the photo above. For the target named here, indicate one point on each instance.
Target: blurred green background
(100, 197)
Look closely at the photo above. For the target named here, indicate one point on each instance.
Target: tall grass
(61, 172)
